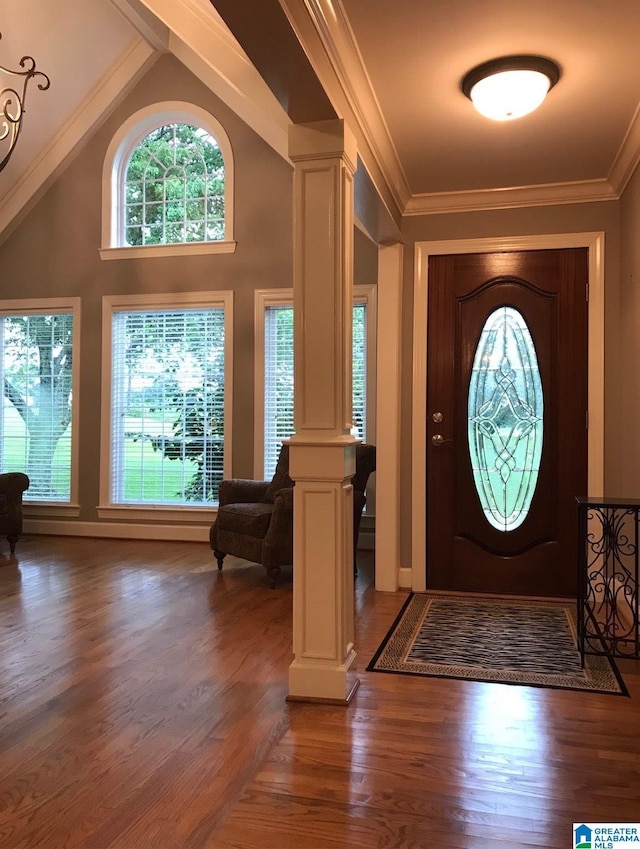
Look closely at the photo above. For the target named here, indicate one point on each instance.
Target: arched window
(168, 185)
(174, 188)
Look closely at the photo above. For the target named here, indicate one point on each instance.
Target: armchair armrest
(241, 491)
(12, 485)
(277, 547)
(281, 521)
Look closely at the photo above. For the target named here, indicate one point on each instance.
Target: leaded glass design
(505, 424)
(174, 188)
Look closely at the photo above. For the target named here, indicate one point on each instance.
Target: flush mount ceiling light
(510, 87)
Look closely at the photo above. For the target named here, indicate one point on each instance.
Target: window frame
(48, 306)
(124, 142)
(265, 298)
(178, 301)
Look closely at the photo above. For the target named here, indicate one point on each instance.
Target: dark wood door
(482, 430)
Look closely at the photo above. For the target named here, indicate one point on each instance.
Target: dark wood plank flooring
(142, 706)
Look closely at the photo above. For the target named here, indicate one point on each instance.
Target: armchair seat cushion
(251, 518)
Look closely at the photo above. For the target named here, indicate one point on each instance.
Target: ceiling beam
(153, 31)
(264, 32)
(200, 39)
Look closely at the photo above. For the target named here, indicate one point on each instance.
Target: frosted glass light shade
(509, 95)
(509, 88)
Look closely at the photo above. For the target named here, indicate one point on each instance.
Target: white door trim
(423, 250)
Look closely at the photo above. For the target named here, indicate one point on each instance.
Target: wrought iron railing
(608, 616)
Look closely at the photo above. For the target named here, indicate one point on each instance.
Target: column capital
(322, 461)
(323, 140)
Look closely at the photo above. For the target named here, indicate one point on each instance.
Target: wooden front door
(506, 420)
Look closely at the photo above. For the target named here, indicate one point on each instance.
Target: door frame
(594, 241)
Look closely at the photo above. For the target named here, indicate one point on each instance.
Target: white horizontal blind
(360, 369)
(168, 397)
(35, 422)
(278, 378)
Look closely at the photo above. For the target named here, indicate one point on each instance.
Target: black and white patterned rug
(499, 640)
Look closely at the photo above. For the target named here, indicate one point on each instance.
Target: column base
(311, 682)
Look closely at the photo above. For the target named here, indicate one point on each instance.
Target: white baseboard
(405, 578)
(126, 530)
(117, 530)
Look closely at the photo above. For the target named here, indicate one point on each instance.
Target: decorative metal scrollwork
(610, 619)
(12, 102)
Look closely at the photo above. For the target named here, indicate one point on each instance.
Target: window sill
(145, 512)
(34, 509)
(189, 249)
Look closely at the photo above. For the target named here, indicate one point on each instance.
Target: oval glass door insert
(505, 419)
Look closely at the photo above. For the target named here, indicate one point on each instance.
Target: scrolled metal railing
(608, 562)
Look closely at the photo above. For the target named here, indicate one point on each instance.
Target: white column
(388, 571)
(322, 451)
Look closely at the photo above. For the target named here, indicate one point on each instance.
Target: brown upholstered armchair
(12, 485)
(255, 518)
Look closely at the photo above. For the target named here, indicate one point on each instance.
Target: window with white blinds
(359, 369)
(278, 378)
(36, 360)
(278, 382)
(167, 405)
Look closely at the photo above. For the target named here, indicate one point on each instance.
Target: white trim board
(117, 530)
(129, 530)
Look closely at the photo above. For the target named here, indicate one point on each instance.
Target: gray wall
(54, 253)
(627, 382)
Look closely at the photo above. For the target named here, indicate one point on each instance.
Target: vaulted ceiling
(392, 70)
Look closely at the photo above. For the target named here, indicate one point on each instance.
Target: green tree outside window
(35, 420)
(174, 188)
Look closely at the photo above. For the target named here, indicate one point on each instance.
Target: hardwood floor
(142, 706)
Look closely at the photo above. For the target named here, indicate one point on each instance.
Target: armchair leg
(219, 555)
(13, 539)
(273, 573)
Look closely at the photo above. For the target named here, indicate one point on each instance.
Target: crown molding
(550, 194)
(339, 41)
(628, 156)
(322, 29)
(332, 26)
(113, 87)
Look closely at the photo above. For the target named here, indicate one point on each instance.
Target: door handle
(438, 439)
